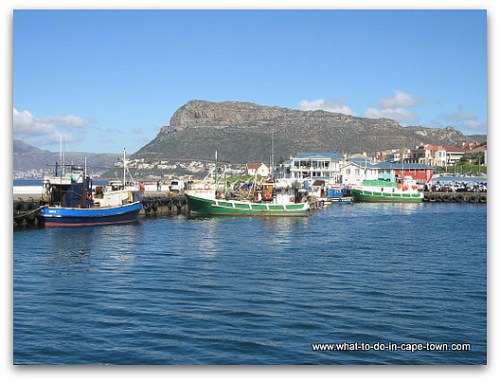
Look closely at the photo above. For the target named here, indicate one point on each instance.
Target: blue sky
(110, 79)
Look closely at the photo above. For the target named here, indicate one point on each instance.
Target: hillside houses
(330, 167)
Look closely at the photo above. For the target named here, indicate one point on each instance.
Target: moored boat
(335, 195)
(72, 201)
(211, 206)
(265, 199)
(381, 191)
(77, 216)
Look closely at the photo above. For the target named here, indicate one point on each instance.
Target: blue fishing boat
(77, 216)
(73, 201)
(335, 195)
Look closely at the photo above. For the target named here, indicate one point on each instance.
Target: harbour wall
(160, 203)
(455, 197)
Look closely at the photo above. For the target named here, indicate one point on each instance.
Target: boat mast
(272, 155)
(215, 171)
(124, 168)
(61, 155)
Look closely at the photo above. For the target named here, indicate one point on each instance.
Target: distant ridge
(242, 132)
(27, 157)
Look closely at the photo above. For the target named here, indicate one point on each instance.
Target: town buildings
(333, 168)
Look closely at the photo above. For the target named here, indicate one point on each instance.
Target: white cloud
(399, 114)
(25, 124)
(45, 130)
(396, 108)
(67, 121)
(331, 105)
(465, 121)
(400, 99)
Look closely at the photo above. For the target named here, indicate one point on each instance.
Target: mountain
(242, 132)
(27, 157)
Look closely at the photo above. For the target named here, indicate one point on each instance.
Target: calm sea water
(184, 290)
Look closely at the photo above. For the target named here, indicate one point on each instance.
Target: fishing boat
(268, 199)
(72, 201)
(212, 206)
(335, 195)
(381, 191)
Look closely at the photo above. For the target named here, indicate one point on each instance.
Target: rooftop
(321, 155)
(402, 166)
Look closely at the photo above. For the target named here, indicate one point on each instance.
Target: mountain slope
(242, 132)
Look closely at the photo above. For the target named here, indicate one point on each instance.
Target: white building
(355, 170)
(314, 166)
(261, 169)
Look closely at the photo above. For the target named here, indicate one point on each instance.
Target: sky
(104, 80)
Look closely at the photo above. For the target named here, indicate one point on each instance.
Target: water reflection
(85, 248)
(68, 249)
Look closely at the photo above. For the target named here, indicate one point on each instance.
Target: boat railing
(249, 205)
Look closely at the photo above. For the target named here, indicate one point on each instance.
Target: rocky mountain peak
(242, 132)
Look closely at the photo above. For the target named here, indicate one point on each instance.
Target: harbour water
(179, 290)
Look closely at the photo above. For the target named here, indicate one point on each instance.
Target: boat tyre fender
(146, 204)
(16, 207)
(446, 198)
(439, 198)
(482, 199)
(426, 198)
(17, 211)
(31, 214)
(472, 199)
(154, 206)
(460, 198)
(453, 199)
(21, 212)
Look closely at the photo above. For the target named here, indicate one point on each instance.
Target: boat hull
(203, 206)
(386, 197)
(77, 217)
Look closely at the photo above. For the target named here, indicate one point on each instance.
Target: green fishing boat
(381, 191)
(206, 206)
